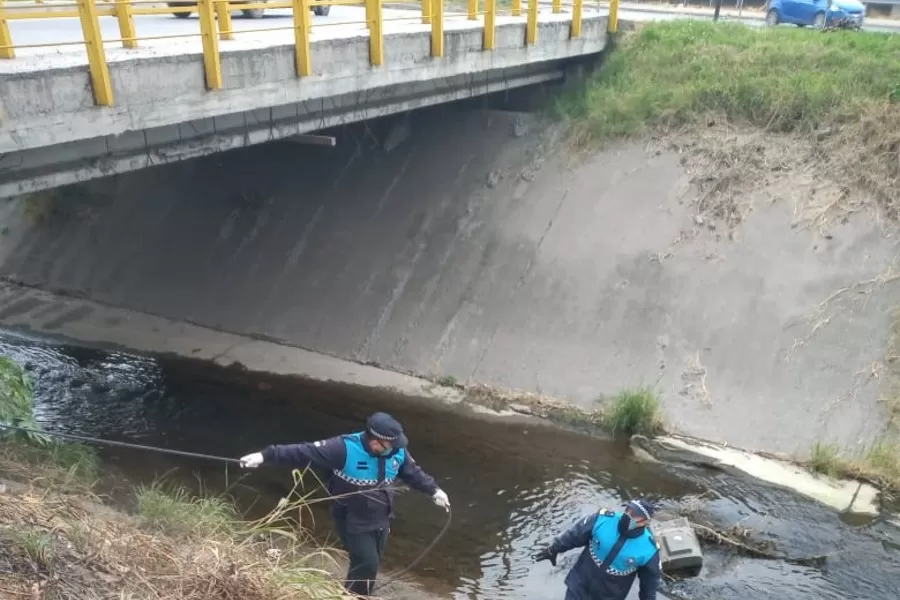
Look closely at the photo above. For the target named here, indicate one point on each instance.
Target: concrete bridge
(184, 90)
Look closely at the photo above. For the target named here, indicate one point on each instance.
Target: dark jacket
(611, 558)
(363, 512)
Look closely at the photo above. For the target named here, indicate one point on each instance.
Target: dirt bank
(60, 540)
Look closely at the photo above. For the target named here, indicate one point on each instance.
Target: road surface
(343, 19)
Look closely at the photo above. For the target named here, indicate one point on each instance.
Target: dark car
(250, 13)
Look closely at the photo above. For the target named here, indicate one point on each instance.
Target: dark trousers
(365, 550)
(570, 595)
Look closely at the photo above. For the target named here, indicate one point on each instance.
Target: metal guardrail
(216, 26)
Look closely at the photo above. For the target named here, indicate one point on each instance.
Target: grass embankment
(59, 541)
(838, 90)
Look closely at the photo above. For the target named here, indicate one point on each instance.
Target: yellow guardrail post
(473, 10)
(376, 32)
(125, 16)
(6, 49)
(577, 6)
(302, 24)
(426, 12)
(557, 7)
(612, 25)
(437, 27)
(90, 27)
(490, 24)
(531, 26)
(211, 60)
(223, 12)
(517, 8)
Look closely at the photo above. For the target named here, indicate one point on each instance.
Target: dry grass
(752, 110)
(59, 545)
(879, 464)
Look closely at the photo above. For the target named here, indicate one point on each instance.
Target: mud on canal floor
(514, 483)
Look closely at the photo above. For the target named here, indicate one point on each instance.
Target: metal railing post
(517, 8)
(490, 24)
(6, 49)
(223, 12)
(302, 24)
(125, 17)
(437, 27)
(557, 7)
(426, 12)
(531, 26)
(376, 32)
(473, 10)
(577, 7)
(612, 25)
(90, 28)
(211, 60)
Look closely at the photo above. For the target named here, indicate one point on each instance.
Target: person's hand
(441, 499)
(546, 554)
(251, 461)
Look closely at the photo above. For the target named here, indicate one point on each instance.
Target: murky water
(513, 485)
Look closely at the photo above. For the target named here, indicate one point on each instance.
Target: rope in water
(228, 460)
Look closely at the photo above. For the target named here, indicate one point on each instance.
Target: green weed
(825, 459)
(175, 511)
(634, 411)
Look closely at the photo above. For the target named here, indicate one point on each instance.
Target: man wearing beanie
(360, 466)
(617, 546)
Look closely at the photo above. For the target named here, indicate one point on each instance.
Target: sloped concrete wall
(479, 247)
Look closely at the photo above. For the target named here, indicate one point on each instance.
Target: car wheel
(180, 15)
(321, 11)
(772, 18)
(253, 13)
(819, 20)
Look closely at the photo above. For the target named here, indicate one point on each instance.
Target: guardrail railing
(215, 25)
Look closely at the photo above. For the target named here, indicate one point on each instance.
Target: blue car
(822, 14)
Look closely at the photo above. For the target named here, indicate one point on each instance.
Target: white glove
(251, 461)
(441, 499)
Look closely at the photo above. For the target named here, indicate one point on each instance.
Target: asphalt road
(55, 31)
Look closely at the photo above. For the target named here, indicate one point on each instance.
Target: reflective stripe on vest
(361, 468)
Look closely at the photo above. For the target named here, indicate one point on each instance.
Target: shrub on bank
(782, 79)
(634, 411)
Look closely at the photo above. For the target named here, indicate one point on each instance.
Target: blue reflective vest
(362, 469)
(592, 578)
(634, 553)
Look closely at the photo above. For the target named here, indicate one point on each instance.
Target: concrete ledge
(55, 105)
(48, 167)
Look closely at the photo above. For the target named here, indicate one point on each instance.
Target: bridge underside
(52, 135)
(54, 166)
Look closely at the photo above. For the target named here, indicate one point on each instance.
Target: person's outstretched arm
(579, 535)
(324, 454)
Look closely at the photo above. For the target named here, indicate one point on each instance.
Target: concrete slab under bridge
(52, 134)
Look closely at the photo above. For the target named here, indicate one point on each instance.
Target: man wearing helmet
(360, 466)
(617, 547)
